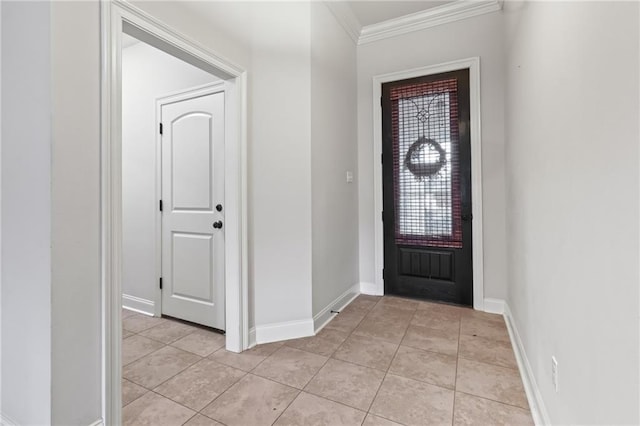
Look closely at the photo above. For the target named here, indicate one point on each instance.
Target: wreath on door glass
(420, 169)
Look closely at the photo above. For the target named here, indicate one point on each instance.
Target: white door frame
(192, 92)
(116, 15)
(473, 65)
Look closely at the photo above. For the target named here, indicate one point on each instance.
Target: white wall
(51, 350)
(147, 74)
(272, 42)
(572, 203)
(221, 27)
(0, 209)
(479, 36)
(26, 212)
(277, 52)
(280, 162)
(75, 214)
(333, 153)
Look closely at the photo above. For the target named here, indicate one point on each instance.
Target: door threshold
(193, 324)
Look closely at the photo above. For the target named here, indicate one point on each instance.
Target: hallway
(381, 361)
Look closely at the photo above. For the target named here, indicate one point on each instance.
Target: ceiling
(373, 12)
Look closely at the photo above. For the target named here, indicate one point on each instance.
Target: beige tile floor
(381, 361)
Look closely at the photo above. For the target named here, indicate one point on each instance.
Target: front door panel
(192, 186)
(427, 188)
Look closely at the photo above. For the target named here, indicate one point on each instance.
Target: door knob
(217, 224)
(467, 217)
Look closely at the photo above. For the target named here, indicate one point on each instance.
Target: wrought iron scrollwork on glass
(420, 165)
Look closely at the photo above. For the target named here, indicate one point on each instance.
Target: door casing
(116, 15)
(473, 65)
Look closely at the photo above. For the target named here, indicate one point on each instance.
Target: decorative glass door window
(426, 164)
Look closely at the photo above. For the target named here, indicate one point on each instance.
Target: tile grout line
(288, 405)
(330, 356)
(196, 412)
(316, 373)
(386, 373)
(134, 400)
(457, 355)
(165, 345)
(207, 404)
(266, 358)
(189, 419)
(144, 356)
(496, 401)
(306, 384)
(399, 375)
(160, 384)
(246, 373)
(455, 382)
(250, 372)
(485, 363)
(165, 381)
(168, 344)
(219, 395)
(159, 349)
(490, 363)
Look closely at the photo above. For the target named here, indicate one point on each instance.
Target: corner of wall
(534, 397)
(138, 304)
(328, 312)
(287, 330)
(371, 289)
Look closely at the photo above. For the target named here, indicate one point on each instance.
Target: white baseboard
(494, 306)
(284, 331)
(536, 403)
(371, 289)
(138, 304)
(252, 337)
(325, 315)
(97, 423)
(6, 421)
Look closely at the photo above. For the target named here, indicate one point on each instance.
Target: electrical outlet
(554, 372)
(349, 177)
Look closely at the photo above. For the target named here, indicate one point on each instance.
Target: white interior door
(193, 211)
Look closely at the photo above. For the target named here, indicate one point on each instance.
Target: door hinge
(381, 100)
(160, 283)
(382, 214)
(160, 128)
(382, 158)
(160, 205)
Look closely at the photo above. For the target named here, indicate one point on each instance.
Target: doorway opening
(472, 65)
(191, 132)
(427, 188)
(173, 131)
(200, 181)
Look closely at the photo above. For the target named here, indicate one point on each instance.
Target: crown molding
(346, 18)
(447, 13)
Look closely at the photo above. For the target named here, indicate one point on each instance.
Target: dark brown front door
(427, 188)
